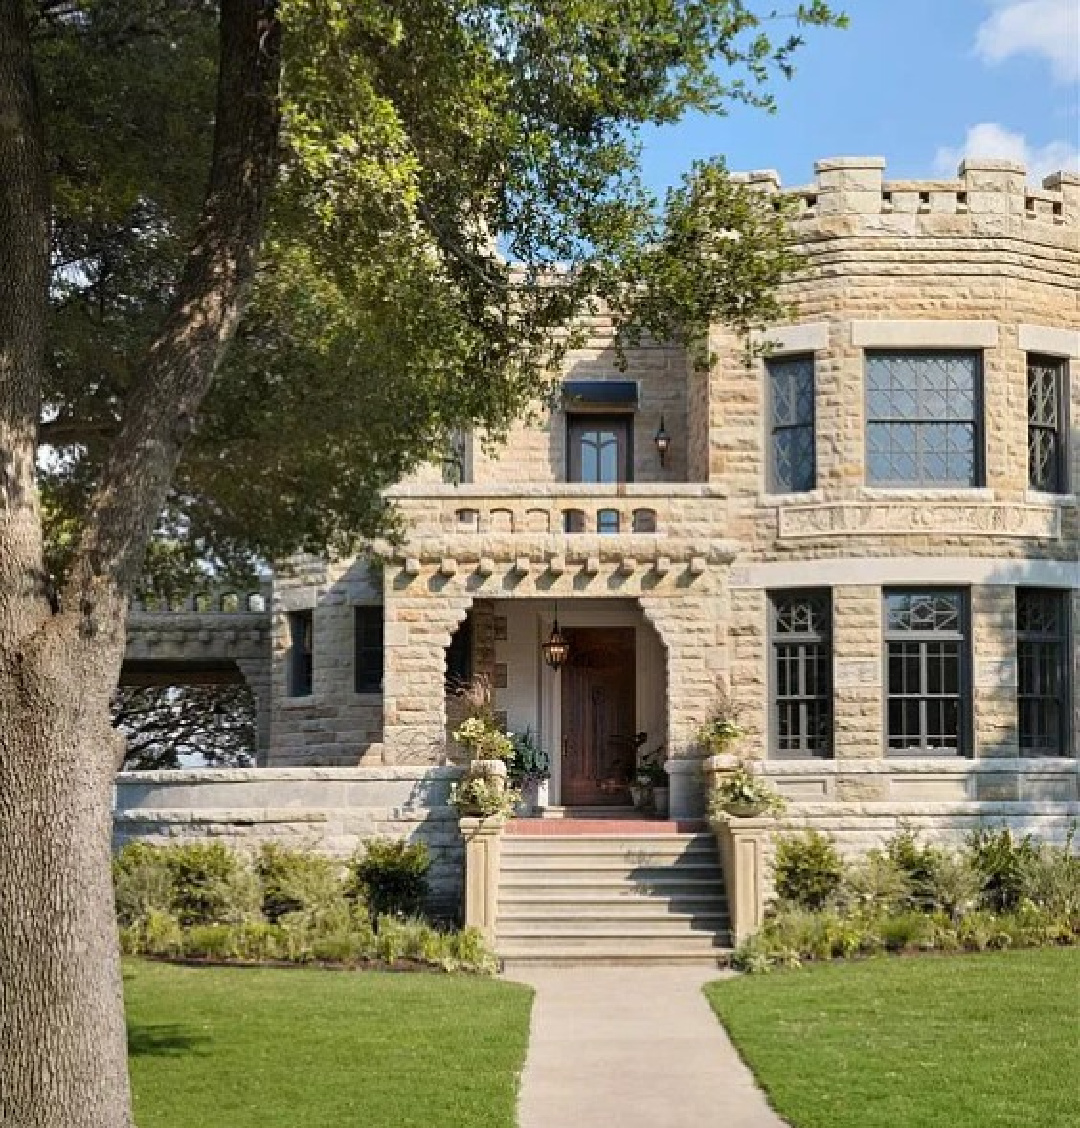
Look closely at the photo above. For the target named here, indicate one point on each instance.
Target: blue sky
(919, 82)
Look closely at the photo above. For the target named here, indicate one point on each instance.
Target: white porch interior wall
(531, 696)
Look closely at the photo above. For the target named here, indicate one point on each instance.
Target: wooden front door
(598, 716)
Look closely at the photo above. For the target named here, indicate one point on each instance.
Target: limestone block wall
(331, 810)
(335, 725)
(534, 451)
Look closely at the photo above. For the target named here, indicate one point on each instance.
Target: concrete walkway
(632, 1048)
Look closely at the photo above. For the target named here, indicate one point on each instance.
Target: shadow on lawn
(165, 1040)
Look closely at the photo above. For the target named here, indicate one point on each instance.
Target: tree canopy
(457, 180)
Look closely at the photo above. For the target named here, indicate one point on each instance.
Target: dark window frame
(978, 421)
(965, 695)
(1060, 693)
(1061, 366)
(300, 662)
(578, 423)
(772, 365)
(807, 639)
(368, 651)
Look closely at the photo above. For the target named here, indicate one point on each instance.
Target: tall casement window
(926, 672)
(1042, 651)
(599, 448)
(800, 630)
(1046, 378)
(924, 418)
(368, 655)
(299, 662)
(791, 423)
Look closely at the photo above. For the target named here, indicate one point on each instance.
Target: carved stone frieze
(901, 518)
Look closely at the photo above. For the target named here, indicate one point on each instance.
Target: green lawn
(286, 1048)
(989, 1040)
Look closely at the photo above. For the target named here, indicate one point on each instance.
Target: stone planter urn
(660, 798)
(744, 810)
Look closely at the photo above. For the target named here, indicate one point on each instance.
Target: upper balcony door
(600, 448)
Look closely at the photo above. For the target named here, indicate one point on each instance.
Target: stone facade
(984, 263)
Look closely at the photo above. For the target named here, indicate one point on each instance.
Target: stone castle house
(870, 536)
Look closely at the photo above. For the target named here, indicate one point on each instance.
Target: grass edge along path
(277, 1048)
(989, 1040)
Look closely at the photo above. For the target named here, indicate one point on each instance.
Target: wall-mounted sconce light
(663, 442)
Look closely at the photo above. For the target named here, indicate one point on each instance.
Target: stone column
(857, 672)
(420, 618)
(694, 647)
(258, 675)
(483, 837)
(742, 845)
(994, 670)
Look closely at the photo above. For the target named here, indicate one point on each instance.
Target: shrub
(917, 862)
(142, 882)
(903, 932)
(808, 869)
(876, 883)
(954, 886)
(298, 881)
(1001, 861)
(212, 884)
(1050, 879)
(390, 877)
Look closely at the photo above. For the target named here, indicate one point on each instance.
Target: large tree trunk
(62, 1038)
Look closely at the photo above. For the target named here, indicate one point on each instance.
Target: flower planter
(745, 810)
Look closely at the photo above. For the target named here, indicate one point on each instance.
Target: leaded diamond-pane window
(791, 423)
(1046, 432)
(802, 673)
(1042, 671)
(926, 671)
(923, 418)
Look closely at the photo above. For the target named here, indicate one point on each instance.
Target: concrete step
(599, 957)
(629, 900)
(702, 944)
(584, 928)
(605, 843)
(605, 910)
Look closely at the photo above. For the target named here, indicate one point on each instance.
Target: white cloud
(1050, 28)
(989, 139)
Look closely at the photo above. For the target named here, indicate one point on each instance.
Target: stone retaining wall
(331, 810)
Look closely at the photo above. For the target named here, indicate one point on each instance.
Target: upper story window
(791, 423)
(801, 673)
(300, 659)
(926, 671)
(924, 418)
(368, 661)
(599, 448)
(1042, 653)
(1047, 464)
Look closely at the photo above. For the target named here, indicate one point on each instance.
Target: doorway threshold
(625, 821)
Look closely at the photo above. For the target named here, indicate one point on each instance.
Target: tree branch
(181, 362)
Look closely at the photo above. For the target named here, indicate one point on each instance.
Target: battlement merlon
(857, 186)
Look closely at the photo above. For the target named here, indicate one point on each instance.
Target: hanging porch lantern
(556, 650)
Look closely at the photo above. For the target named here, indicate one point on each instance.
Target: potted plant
(722, 729)
(650, 786)
(743, 794)
(529, 767)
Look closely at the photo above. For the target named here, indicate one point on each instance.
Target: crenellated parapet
(856, 186)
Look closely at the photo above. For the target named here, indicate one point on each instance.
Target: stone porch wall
(331, 810)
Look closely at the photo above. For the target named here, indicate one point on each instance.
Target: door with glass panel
(599, 448)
